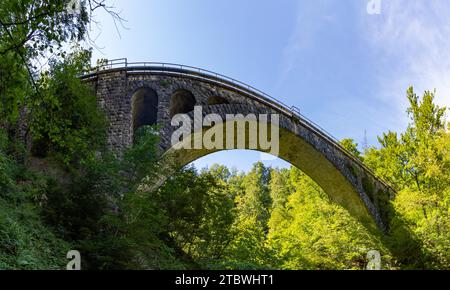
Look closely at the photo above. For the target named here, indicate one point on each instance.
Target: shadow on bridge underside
(297, 152)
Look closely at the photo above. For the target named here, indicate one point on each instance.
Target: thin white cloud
(311, 17)
(412, 41)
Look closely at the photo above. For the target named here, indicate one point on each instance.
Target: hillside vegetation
(65, 190)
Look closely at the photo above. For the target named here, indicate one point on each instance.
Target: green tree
(411, 159)
(64, 116)
(416, 162)
(315, 233)
(256, 200)
(248, 250)
(31, 32)
(25, 240)
(352, 147)
(280, 190)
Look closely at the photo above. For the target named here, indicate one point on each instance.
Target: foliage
(313, 233)
(40, 25)
(417, 163)
(247, 250)
(64, 117)
(13, 88)
(352, 147)
(80, 195)
(25, 241)
(32, 32)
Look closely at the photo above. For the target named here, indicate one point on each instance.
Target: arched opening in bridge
(216, 100)
(181, 102)
(299, 152)
(144, 108)
(287, 204)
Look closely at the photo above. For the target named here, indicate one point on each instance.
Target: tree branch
(16, 46)
(22, 57)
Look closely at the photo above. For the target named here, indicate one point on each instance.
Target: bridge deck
(195, 72)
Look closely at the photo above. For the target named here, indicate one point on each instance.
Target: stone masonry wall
(115, 96)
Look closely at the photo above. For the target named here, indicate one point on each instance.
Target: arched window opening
(144, 108)
(181, 102)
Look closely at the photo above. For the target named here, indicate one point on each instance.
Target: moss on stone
(164, 83)
(368, 187)
(352, 170)
(382, 204)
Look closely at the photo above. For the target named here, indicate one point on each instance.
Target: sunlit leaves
(416, 163)
(64, 117)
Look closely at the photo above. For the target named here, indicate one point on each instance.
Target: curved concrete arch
(341, 179)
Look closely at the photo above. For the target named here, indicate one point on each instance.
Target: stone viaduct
(136, 94)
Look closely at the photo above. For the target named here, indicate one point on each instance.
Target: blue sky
(345, 69)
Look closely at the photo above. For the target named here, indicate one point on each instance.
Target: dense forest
(64, 189)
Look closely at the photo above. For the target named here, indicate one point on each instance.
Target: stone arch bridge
(136, 94)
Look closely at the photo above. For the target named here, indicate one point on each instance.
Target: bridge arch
(302, 143)
(144, 103)
(182, 101)
(300, 153)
